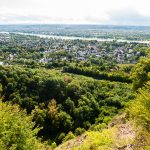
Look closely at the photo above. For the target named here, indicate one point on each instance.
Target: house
(1, 63)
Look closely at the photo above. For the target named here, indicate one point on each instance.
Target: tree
(62, 122)
(140, 108)
(16, 129)
(1, 89)
(141, 72)
(52, 109)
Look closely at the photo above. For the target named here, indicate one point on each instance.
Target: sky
(113, 12)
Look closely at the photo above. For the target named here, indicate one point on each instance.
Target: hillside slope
(119, 135)
(129, 131)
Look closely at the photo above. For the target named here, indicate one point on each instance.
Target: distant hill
(52, 27)
(99, 31)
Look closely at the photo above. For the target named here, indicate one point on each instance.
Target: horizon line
(72, 24)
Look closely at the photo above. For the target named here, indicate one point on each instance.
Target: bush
(53, 145)
(61, 137)
(79, 131)
(69, 136)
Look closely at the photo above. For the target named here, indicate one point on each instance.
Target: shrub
(53, 145)
(79, 131)
(69, 136)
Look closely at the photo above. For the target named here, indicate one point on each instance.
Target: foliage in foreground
(140, 108)
(17, 130)
(140, 113)
(92, 140)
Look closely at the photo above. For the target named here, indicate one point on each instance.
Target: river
(81, 38)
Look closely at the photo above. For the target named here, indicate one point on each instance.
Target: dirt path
(125, 137)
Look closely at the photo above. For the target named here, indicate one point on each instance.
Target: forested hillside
(63, 102)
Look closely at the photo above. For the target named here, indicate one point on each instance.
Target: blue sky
(116, 12)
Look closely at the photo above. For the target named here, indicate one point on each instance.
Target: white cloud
(132, 12)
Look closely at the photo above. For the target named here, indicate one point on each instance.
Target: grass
(94, 140)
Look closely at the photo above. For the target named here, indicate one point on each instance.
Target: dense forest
(63, 102)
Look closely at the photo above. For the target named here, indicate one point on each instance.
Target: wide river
(81, 38)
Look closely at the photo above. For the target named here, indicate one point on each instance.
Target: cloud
(17, 16)
(117, 12)
(128, 17)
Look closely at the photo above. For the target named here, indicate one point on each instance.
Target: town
(23, 48)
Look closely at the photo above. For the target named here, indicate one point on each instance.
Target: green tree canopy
(16, 129)
(140, 108)
(141, 73)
